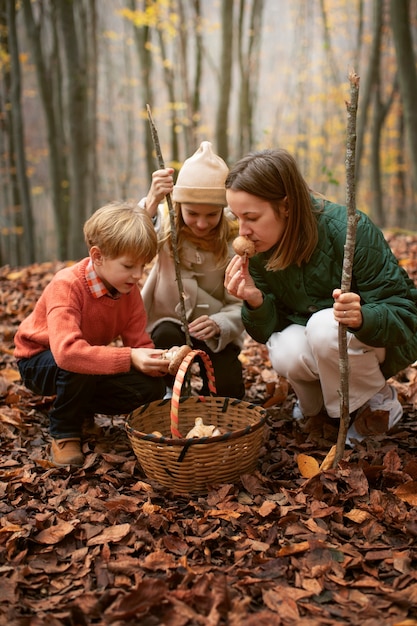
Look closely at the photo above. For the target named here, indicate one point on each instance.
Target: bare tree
(372, 71)
(190, 87)
(9, 239)
(407, 74)
(48, 71)
(73, 20)
(28, 248)
(225, 82)
(400, 182)
(249, 65)
(142, 37)
(380, 112)
(169, 75)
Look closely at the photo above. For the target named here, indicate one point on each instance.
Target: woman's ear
(95, 255)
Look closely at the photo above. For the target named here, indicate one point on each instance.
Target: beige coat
(204, 294)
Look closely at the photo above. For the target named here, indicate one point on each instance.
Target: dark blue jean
(80, 396)
(226, 364)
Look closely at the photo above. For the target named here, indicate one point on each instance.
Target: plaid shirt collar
(95, 284)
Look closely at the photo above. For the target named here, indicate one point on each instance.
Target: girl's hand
(149, 361)
(162, 184)
(203, 328)
(347, 308)
(239, 282)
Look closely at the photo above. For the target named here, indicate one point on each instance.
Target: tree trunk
(142, 39)
(249, 72)
(190, 93)
(225, 81)
(407, 74)
(400, 193)
(380, 112)
(172, 100)
(76, 100)
(28, 250)
(91, 121)
(368, 84)
(9, 239)
(50, 91)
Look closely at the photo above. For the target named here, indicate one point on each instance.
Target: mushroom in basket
(201, 430)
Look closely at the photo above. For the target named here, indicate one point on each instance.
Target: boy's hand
(150, 361)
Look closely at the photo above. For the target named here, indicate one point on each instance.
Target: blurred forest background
(76, 76)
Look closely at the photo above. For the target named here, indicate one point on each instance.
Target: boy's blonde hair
(122, 229)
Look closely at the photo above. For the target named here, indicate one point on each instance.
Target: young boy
(65, 346)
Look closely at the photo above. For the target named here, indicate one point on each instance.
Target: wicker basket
(194, 465)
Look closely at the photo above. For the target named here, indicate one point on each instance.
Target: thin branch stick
(349, 250)
(161, 164)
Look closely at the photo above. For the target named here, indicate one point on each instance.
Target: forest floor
(106, 545)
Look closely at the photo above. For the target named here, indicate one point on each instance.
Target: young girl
(292, 299)
(204, 235)
(65, 346)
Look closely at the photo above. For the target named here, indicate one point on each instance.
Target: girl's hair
(274, 175)
(219, 240)
(122, 229)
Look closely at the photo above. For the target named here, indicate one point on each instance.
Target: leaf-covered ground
(105, 545)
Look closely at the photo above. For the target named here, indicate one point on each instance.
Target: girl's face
(257, 219)
(201, 219)
(122, 273)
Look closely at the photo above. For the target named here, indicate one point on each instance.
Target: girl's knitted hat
(202, 177)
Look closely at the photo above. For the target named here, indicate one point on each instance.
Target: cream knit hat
(202, 177)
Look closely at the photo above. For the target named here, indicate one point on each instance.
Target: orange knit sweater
(78, 328)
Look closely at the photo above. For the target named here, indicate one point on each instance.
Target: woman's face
(257, 219)
(201, 219)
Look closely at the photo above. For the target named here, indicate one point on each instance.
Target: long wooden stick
(161, 164)
(349, 251)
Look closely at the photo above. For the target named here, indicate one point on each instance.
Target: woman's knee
(322, 331)
(285, 349)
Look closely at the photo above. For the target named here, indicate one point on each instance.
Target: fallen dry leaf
(110, 535)
(56, 533)
(327, 462)
(407, 492)
(307, 465)
(358, 515)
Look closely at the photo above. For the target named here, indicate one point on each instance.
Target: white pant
(308, 357)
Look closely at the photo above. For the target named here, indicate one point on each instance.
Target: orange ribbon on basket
(179, 379)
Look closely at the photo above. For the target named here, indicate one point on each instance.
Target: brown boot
(67, 452)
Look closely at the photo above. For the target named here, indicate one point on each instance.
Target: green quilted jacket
(388, 295)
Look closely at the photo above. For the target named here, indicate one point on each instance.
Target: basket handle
(179, 379)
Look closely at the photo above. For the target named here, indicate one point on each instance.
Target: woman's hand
(203, 328)
(347, 308)
(239, 282)
(162, 184)
(149, 361)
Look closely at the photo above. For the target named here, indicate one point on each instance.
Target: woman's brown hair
(274, 175)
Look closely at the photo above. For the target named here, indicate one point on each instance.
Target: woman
(292, 299)
(204, 235)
